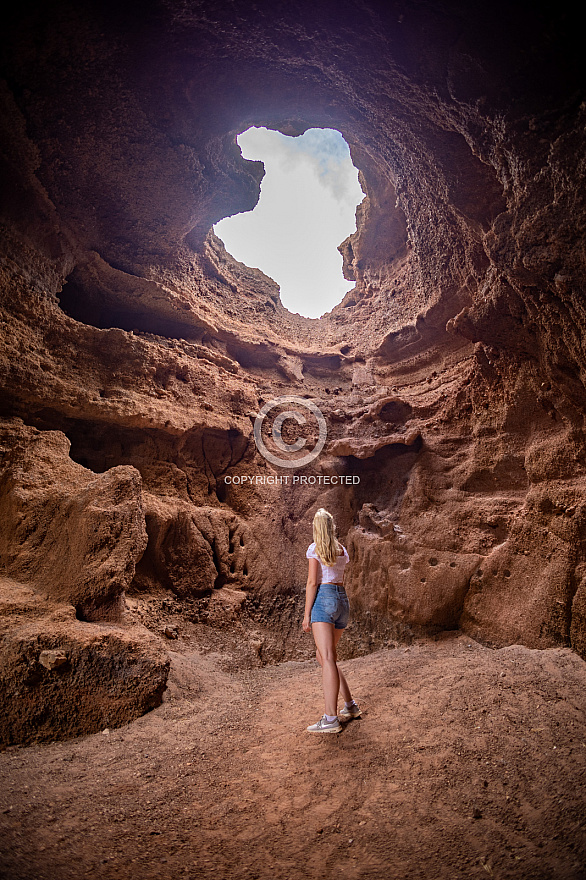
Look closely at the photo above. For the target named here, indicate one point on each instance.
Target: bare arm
(310, 591)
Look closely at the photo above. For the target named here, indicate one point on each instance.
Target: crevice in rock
(104, 612)
(91, 308)
(221, 578)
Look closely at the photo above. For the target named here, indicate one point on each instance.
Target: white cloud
(306, 209)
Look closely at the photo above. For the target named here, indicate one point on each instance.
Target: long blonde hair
(324, 534)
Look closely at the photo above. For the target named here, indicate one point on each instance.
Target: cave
(152, 556)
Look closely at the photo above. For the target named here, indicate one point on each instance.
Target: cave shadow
(383, 478)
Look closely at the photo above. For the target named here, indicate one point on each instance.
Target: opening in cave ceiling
(306, 209)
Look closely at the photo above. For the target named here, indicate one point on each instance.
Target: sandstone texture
(61, 677)
(74, 534)
(136, 353)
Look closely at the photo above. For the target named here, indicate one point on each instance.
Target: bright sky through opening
(307, 207)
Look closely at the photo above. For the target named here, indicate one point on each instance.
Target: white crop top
(330, 574)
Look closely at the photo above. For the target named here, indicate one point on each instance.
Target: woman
(326, 615)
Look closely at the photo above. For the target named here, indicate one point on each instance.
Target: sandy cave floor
(468, 762)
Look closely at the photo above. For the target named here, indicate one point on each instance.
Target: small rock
(53, 659)
(257, 646)
(171, 632)
(476, 813)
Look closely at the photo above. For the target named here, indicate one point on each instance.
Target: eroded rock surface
(451, 377)
(61, 677)
(74, 534)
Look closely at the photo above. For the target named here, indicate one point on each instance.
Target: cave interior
(137, 352)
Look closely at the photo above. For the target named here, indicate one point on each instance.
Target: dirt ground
(468, 762)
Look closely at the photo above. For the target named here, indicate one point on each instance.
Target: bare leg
(344, 688)
(326, 638)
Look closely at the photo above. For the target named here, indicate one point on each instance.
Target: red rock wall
(451, 377)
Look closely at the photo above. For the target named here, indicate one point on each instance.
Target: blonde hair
(324, 534)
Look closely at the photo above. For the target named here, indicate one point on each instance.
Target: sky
(307, 207)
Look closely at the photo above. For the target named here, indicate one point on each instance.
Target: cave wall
(451, 377)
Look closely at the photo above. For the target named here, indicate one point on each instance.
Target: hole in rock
(395, 412)
(306, 209)
(384, 477)
(109, 611)
(92, 306)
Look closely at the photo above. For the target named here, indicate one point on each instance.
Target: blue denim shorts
(331, 606)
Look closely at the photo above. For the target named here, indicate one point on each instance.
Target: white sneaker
(349, 712)
(325, 726)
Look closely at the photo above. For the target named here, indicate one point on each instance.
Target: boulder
(61, 677)
(75, 534)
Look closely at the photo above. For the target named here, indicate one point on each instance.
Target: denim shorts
(331, 606)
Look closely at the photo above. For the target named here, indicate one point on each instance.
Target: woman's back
(330, 574)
